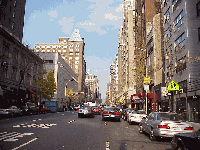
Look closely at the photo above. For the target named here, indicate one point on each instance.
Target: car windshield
(133, 112)
(85, 107)
(141, 112)
(169, 116)
(111, 109)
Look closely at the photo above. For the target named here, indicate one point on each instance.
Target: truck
(55, 106)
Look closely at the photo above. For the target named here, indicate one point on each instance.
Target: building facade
(182, 44)
(65, 77)
(72, 51)
(18, 64)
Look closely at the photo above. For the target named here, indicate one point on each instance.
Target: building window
(198, 9)
(165, 2)
(178, 21)
(65, 46)
(76, 62)
(181, 64)
(64, 51)
(77, 50)
(14, 14)
(76, 66)
(49, 61)
(71, 49)
(77, 45)
(54, 51)
(48, 50)
(77, 53)
(199, 33)
(71, 45)
(76, 58)
(59, 51)
(167, 15)
(48, 46)
(70, 53)
(70, 58)
(14, 71)
(180, 42)
(15, 2)
(174, 2)
(168, 32)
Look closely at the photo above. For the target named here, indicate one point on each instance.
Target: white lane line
(25, 144)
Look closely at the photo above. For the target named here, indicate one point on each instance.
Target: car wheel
(130, 123)
(79, 116)
(20, 114)
(152, 136)
(180, 147)
(140, 129)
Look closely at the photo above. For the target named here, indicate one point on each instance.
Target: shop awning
(31, 91)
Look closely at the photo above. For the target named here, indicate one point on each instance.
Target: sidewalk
(195, 125)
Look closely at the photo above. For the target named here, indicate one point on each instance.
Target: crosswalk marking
(11, 137)
(34, 125)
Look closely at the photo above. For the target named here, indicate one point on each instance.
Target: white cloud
(53, 14)
(110, 16)
(67, 24)
(103, 17)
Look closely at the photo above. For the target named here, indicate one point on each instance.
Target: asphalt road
(65, 131)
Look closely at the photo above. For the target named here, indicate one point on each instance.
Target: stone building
(72, 51)
(182, 44)
(18, 64)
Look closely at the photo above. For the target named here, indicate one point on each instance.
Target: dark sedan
(111, 113)
(186, 141)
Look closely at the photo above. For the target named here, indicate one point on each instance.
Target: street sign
(146, 80)
(173, 86)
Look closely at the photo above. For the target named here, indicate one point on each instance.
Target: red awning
(31, 91)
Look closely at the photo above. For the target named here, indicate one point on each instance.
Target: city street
(65, 130)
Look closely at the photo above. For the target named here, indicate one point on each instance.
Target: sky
(98, 22)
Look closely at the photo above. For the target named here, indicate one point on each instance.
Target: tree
(69, 94)
(45, 83)
(50, 87)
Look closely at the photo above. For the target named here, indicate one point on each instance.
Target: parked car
(111, 113)
(10, 111)
(77, 107)
(186, 141)
(96, 110)
(164, 124)
(136, 116)
(126, 112)
(44, 109)
(86, 111)
(29, 108)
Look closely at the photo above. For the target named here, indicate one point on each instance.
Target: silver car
(164, 124)
(10, 111)
(86, 111)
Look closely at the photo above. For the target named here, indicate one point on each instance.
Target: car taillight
(106, 112)
(90, 110)
(189, 128)
(79, 110)
(97, 109)
(7, 110)
(164, 126)
(126, 113)
(117, 113)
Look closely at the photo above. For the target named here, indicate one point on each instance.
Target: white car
(164, 124)
(136, 116)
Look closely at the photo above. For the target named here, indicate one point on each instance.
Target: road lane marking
(35, 125)
(11, 137)
(25, 143)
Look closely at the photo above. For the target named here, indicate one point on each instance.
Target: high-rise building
(92, 82)
(72, 51)
(182, 45)
(12, 17)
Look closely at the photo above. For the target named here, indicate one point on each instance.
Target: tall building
(12, 17)
(182, 44)
(18, 64)
(72, 51)
(92, 82)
